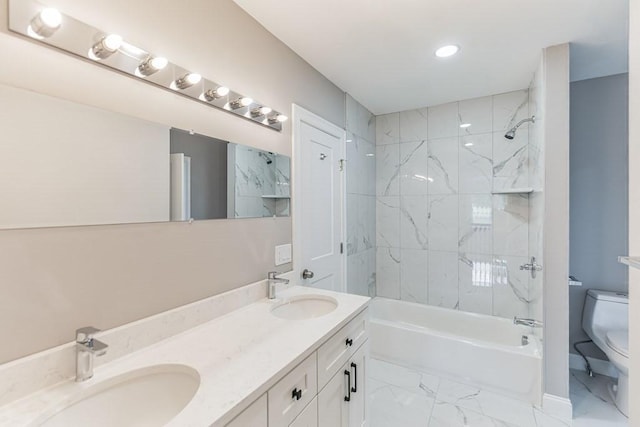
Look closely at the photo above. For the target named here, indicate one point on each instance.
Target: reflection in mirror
(64, 164)
(211, 178)
(68, 164)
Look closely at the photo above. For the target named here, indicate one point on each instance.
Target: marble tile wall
(259, 173)
(361, 199)
(442, 237)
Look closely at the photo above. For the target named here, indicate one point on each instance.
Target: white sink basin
(145, 397)
(304, 307)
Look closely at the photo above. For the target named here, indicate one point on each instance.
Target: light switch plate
(283, 254)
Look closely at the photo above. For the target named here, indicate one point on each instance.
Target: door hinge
(341, 162)
(341, 247)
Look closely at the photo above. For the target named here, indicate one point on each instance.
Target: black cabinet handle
(349, 342)
(347, 373)
(355, 377)
(296, 394)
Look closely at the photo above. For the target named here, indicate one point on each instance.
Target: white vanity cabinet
(255, 415)
(342, 402)
(327, 389)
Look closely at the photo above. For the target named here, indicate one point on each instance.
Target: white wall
(556, 220)
(634, 207)
(56, 280)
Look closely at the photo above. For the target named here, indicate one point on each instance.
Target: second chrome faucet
(272, 280)
(87, 348)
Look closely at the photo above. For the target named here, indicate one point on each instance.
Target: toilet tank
(605, 311)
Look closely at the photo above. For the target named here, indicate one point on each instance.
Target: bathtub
(482, 350)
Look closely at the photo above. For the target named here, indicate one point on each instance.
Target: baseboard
(598, 366)
(557, 407)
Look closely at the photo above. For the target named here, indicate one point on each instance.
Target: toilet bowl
(606, 320)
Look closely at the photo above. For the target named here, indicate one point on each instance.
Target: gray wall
(599, 200)
(208, 172)
(54, 280)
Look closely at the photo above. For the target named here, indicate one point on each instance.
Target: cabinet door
(333, 410)
(255, 415)
(340, 347)
(293, 393)
(358, 365)
(308, 417)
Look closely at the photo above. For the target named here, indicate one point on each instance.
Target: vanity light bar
(50, 27)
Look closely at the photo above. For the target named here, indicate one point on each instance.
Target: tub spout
(532, 323)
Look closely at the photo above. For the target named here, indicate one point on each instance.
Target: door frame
(301, 115)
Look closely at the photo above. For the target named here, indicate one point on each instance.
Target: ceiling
(382, 51)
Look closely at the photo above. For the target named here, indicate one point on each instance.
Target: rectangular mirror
(212, 178)
(68, 164)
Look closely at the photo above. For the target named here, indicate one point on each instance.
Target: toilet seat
(618, 341)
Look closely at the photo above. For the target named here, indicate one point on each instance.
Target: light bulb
(278, 118)
(213, 94)
(112, 42)
(106, 47)
(152, 65)
(261, 111)
(446, 51)
(187, 80)
(45, 23)
(241, 102)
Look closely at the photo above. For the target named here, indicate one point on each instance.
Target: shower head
(512, 132)
(266, 158)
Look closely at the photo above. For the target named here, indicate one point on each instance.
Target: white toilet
(606, 320)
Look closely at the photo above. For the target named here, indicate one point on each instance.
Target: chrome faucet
(87, 348)
(532, 323)
(271, 283)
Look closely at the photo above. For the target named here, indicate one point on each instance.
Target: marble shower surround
(361, 199)
(442, 238)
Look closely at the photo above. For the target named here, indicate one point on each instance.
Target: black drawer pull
(349, 342)
(347, 398)
(296, 394)
(355, 377)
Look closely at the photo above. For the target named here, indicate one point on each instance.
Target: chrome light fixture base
(94, 45)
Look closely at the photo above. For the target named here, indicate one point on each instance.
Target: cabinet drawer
(255, 415)
(337, 350)
(292, 393)
(308, 417)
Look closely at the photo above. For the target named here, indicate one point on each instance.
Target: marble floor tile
(401, 396)
(394, 406)
(408, 379)
(592, 405)
(508, 410)
(451, 415)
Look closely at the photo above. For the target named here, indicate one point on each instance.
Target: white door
(319, 148)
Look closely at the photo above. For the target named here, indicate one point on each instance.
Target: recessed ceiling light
(446, 51)
(465, 125)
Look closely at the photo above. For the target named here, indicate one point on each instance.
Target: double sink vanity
(236, 359)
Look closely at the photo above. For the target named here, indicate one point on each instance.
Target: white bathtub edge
(557, 407)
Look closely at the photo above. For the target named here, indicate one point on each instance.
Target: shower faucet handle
(533, 266)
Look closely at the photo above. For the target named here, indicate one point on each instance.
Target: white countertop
(239, 356)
